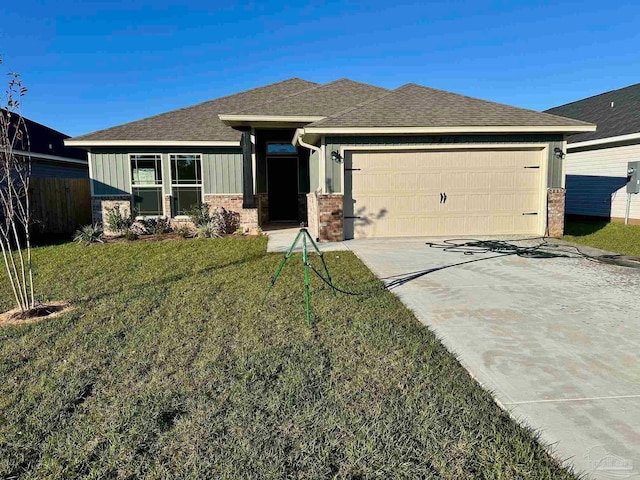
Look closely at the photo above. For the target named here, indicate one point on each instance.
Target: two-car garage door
(443, 192)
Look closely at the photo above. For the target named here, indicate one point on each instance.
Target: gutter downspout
(297, 139)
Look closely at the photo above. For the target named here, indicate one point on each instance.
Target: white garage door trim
(544, 162)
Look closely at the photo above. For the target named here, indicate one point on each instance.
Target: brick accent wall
(167, 200)
(233, 203)
(312, 215)
(327, 209)
(99, 206)
(555, 211)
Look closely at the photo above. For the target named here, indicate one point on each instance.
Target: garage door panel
(398, 193)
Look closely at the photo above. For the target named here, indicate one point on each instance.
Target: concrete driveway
(556, 340)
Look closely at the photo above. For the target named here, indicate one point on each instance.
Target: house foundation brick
(555, 211)
(100, 206)
(249, 217)
(325, 217)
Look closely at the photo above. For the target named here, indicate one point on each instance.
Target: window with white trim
(186, 181)
(146, 183)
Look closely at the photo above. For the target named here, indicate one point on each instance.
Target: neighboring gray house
(597, 161)
(49, 155)
(351, 159)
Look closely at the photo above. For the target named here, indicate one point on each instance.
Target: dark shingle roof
(322, 100)
(621, 119)
(198, 122)
(416, 106)
(46, 140)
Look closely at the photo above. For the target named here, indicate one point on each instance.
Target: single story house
(597, 161)
(351, 159)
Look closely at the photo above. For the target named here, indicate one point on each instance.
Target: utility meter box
(633, 174)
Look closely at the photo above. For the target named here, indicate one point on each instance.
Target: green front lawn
(169, 367)
(614, 237)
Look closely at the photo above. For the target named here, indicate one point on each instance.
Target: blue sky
(94, 64)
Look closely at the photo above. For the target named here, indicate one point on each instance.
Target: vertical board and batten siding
(597, 180)
(334, 169)
(221, 168)
(222, 172)
(110, 173)
(314, 171)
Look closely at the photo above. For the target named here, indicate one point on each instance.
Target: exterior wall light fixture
(559, 153)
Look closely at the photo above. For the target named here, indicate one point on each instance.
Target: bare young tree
(15, 213)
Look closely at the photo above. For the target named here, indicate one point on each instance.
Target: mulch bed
(42, 311)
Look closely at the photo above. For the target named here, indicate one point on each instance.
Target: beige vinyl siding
(222, 169)
(597, 179)
(334, 169)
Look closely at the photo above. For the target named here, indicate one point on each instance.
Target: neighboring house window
(146, 184)
(186, 180)
(281, 148)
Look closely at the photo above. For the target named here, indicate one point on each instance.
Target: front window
(281, 148)
(186, 179)
(146, 184)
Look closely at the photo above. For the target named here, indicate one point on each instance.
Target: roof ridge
(27, 119)
(355, 107)
(594, 96)
(315, 87)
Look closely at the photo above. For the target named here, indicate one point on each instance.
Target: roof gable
(416, 106)
(198, 122)
(320, 100)
(622, 118)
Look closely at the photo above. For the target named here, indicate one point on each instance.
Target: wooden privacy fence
(60, 205)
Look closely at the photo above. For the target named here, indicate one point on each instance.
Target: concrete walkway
(280, 240)
(556, 340)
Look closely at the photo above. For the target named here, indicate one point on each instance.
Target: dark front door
(282, 188)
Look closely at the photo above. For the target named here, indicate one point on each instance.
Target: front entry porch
(282, 177)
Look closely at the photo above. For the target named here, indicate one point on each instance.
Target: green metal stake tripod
(304, 235)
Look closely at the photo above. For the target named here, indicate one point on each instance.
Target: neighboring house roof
(198, 122)
(321, 100)
(47, 142)
(616, 112)
(416, 106)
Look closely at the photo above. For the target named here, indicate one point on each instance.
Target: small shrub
(219, 222)
(118, 222)
(89, 234)
(184, 231)
(161, 226)
(199, 214)
(231, 220)
(152, 226)
(139, 227)
(208, 230)
(130, 235)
